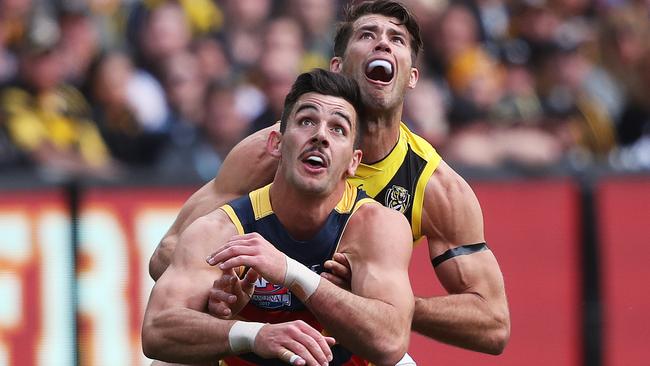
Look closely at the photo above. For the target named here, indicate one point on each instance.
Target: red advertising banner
(623, 207)
(119, 231)
(36, 279)
(532, 227)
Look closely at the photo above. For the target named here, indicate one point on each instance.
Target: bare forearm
(182, 336)
(357, 317)
(463, 320)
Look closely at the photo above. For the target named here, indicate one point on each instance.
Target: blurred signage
(119, 229)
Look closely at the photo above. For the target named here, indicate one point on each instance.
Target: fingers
(237, 261)
(298, 337)
(310, 345)
(292, 358)
(221, 296)
(248, 282)
(341, 259)
(335, 280)
(317, 344)
(339, 268)
(300, 349)
(230, 251)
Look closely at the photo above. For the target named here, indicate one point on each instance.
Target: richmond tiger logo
(398, 198)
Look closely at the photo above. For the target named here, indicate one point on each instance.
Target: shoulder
(374, 222)
(376, 235)
(445, 187)
(255, 143)
(216, 220)
(451, 213)
(248, 165)
(206, 234)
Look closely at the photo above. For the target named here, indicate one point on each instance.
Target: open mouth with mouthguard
(380, 70)
(315, 161)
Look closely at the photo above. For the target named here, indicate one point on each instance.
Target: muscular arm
(246, 168)
(372, 320)
(475, 313)
(175, 329)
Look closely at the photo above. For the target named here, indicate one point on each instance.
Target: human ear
(336, 64)
(273, 144)
(413, 77)
(354, 164)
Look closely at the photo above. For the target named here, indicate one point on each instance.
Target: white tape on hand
(406, 361)
(242, 336)
(294, 359)
(300, 280)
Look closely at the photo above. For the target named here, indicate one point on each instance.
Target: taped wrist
(300, 280)
(242, 336)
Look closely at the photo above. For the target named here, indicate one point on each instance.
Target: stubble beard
(378, 105)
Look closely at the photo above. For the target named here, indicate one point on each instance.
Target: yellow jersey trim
(261, 202)
(387, 167)
(233, 217)
(421, 147)
(347, 202)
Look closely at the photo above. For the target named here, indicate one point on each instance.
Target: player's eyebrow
(374, 28)
(310, 106)
(344, 116)
(368, 27)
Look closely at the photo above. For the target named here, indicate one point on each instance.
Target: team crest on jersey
(398, 198)
(270, 296)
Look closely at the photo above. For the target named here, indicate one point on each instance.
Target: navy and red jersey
(271, 303)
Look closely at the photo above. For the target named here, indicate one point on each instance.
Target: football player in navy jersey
(285, 232)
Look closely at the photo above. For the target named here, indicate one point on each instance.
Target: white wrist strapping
(242, 336)
(298, 275)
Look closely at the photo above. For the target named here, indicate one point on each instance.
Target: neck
(302, 214)
(380, 134)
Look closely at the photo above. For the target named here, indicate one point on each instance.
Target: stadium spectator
(79, 45)
(213, 63)
(283, 56)
(317, 19)
(47, 119)
(243, 31)
(165, 33)
(130, 109)
(564, 78)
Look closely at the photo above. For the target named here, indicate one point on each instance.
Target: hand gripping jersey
(398, 180)
(271, 303)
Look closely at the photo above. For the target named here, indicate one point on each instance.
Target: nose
(383, 45)
(320, 136)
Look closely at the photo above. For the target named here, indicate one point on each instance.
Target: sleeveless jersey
(275, 304)
(398, 180)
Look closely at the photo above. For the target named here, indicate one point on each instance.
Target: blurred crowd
(100, 87)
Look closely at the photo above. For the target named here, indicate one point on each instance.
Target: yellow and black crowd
(98, 88)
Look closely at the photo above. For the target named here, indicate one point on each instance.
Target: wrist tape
(242, 336)
(300, 280)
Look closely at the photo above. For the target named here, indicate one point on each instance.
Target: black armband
(461, 250)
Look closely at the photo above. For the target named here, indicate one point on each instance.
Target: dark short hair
(388, 8)
(327, 83)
